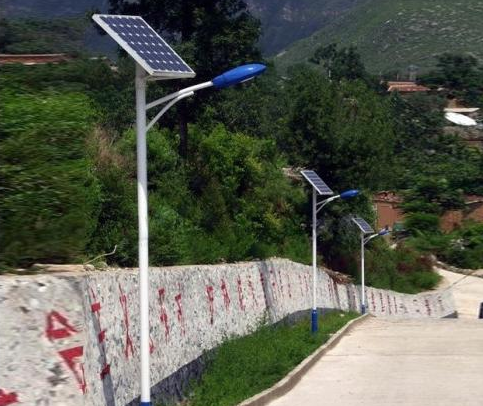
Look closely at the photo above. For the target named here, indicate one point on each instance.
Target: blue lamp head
(238, 75)
(349, 194)
(384, 231)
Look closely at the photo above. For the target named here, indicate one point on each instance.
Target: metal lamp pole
(316, 207)
(232, 77)
(364, 241)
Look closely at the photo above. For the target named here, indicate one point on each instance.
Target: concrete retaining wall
(72, 339)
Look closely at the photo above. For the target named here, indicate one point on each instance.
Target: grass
(242, 367)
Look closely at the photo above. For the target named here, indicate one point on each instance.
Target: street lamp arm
(323, 203)
(167, 107)
(366, 240)
(171, 96)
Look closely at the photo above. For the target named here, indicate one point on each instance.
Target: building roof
(473, 199)
(387, 197)
(404, 87)
(461, 109)
(33, 59)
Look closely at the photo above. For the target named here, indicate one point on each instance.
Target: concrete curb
(287, 383)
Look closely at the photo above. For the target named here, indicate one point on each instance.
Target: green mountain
(393, 34)
(286, 21)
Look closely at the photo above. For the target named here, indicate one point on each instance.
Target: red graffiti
(383, 308)
(389, 304)
(280, 282)
(151, 345)
(70, 357)
(262, 279)
(224, 292)
(329, 287)
(289, 287)
(440, 302)
(96, 309)
(179, 313)
(373, 299)
(57, 333)
(428, 306)
(164, 314)
(336, 291)
(105, 371)
(306, 284)
(240, 293)
(252, 290)
(301, 285)
(8, 398)
(128, 345)
(211, 299)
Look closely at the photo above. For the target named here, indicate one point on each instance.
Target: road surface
(386, 362)
(420, 362)
(467, 292)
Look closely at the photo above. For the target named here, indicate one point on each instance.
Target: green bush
(49, 193)
(462, 247)
(403, 269)
(229, 202)
(422, 222)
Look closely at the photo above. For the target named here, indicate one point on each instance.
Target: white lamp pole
(363, 288)
(232, 77)
(314, 323)
(142, 180)
(316, 207)
(364, 241)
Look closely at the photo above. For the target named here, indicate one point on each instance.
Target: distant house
(406, 87)
(33, 59)
(387, 209)
(473, 211)
(388, 212)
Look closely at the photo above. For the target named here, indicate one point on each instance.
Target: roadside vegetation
(218, 183)
(262, 359)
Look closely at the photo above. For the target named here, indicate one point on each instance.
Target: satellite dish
(460, 119)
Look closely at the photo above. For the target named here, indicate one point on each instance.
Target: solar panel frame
(317, 183)
(363, 225)
(135, 54)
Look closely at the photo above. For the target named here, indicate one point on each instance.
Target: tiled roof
(33, 59)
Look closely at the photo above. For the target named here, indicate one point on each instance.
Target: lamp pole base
(315, 321)
(363, 309)
(145, 404)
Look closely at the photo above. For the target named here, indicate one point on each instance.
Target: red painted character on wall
(211, 299)
(58, 327)
(96, 310)
(164, 313)
(128, 346)
(7, 399)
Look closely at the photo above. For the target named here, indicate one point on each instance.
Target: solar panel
(145, 45)
(363, 225)
(317, 183)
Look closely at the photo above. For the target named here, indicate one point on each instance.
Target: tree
(340, 129)
(343, 63)
(461, 74)
(211, 35)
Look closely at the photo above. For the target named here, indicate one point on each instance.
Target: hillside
(391, 35)
(284, 22)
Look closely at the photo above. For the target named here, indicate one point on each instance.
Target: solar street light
(155, 60)
(319, 187)
(365, 229)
